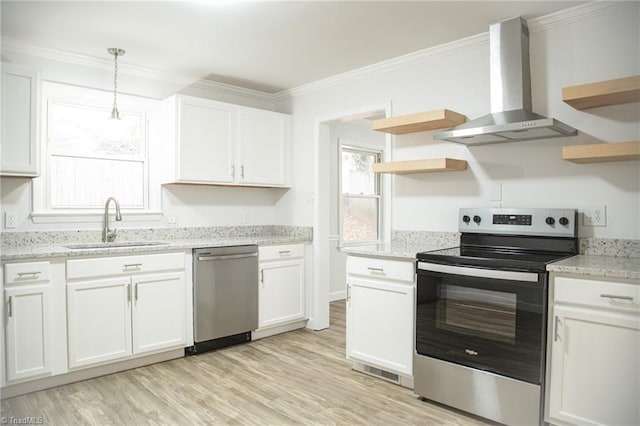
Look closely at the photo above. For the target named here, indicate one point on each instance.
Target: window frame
(42, 209)
(354, 146)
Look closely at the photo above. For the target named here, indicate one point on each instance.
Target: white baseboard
(337, 295)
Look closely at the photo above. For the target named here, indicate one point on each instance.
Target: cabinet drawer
(29, 272)
(597, 293)
(287, 251)
(381, 268)
(104, 266)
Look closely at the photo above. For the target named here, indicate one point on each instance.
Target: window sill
(93, 216)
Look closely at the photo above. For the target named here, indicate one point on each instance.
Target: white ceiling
(268, 46)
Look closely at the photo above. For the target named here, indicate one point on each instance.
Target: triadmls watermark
(29, 420)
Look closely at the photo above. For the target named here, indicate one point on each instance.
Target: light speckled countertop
(52, 250)
(603, 266)
(34, 246)
(394, 250)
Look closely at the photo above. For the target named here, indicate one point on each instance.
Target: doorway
(329, 263)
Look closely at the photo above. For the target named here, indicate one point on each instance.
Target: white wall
(599, 42)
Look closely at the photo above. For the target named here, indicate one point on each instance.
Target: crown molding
(384, 66)
(543, 23)
(13, 46)
(576, 14)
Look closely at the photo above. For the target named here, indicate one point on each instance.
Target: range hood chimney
(511, 118)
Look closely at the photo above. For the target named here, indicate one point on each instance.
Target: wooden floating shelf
(603, 93)
(602, 152)
(420, 122)
(421, 166)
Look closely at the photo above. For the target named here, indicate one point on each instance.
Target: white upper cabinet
(262, 146)
(217, 143)
(19, 125)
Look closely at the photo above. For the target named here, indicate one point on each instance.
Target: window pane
(357, 174)
(359, 219)
(87, 182)
(85, 130)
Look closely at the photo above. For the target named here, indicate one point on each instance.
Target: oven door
(492, 320)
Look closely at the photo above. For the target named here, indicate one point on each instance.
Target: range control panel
(534, 221)
(512, 219)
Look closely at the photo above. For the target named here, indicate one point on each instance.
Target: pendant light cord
(115, 80)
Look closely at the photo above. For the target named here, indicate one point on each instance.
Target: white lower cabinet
(380, 316)
(99, 321)
(27, 331)
(594, 353)
(28, 320)
(281, 290)
(117, 318)
(158, 312)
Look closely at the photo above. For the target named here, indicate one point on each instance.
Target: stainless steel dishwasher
(225, 296)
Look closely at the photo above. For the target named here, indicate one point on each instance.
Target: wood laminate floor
(300, 377)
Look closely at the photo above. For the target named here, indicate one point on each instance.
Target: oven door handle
(480, 273)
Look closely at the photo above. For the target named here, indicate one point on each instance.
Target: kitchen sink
(120, 244)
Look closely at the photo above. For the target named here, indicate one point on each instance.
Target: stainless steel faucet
(109, 235)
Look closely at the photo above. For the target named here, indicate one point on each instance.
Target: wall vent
(392, 377)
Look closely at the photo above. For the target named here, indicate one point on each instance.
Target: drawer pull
(284, 252)
(32, 274)
(615, 296)
(377, 270)
(133, 265)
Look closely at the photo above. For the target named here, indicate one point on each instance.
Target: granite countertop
(34, 251)
(603, 266)
(394, 250)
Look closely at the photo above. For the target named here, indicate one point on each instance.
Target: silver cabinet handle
(136, 291)
(10, 307)
(34, 274)
(128, 292)
(242, 171)
(555, 329)
(615, 296)
(262, 276)
(133, 265)
(379, 270)
(348, 293)
(284, 252)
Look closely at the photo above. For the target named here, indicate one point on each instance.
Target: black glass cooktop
(509, 253)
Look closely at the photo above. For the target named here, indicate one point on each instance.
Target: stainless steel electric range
(481, 312)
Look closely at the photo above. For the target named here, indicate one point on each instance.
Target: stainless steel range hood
(511, 118)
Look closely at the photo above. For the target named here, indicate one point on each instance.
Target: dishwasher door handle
(227, 256)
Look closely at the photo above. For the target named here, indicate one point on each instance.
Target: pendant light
(115, 51)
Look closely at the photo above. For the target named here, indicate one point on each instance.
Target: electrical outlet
(172, 219)
(10, 220)
(245, 217)
(594, 216)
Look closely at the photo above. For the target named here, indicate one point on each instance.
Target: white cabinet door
(205, 148)
(262, 147)
(380, 324)
(19, 135)
(27, 331)
(595, 367)
(99, 321)
(281, 292)
(158, 312)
